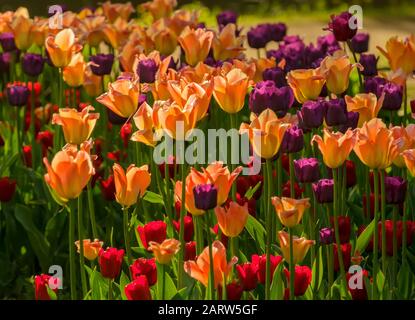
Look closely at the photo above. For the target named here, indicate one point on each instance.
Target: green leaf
(277, 284)
(318, 270)
(364, 238)
(8, 163)
(257, 231)
(380, 281)
(405, 280)
(153, 198)
(251, 191)
(124, 280)
(169, 287)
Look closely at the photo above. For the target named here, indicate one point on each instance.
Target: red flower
(358, 293)
(27, 156)
(153, 231)
(247, 274)
(108, 188)
(251, 203)
(260, 261)
(125, 133)
(371, 204)
(243, 183)
(188, 228)
(45, 138)
(110, 261)
(351, 178)
(234, 291)
(346, 253)
(344, 228)
(302, 280)
(286, 191)
(138, 289)
(171, 167)
(223, 238)
(190, 251)
(41, 286)
(1, 141)
(145, 267)
(7, 189)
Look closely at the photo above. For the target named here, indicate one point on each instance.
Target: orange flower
(77, 126)
(265, 133)
(409, 158)
(164, 252)
(227, 45)
(160, 90)
(201, 73)
(366, 104)
(128, 52)
(290, 211)
(164, 38)
(400, 54)
(62, 47)
(232, 219)
(406, 138)
(199, 269)
(131, 184)
(21, 27)
(196, 44)
(91, 249)
(375, 145)
(122, 97)
(230, 90)
(74, 72)
(300, 247)
(143, 120)
(117, 10)
(159, 8)
(69, 173)
(216, 174)
(92, 29)
(92, 83)
(39, 31)
(335, 146)
(260, 65)
(306, 83)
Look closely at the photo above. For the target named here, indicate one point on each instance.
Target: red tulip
(108, 188)
(110, 261)
(27, 156)
(145, 267)
(153, 231)
(346, 253)
(45, 138)
(286, 190)
(358, 294)
(125, 132)
(190, 251)
(260, 261)
(234, 291)
(138, 289)
(344, 228)
(247, 274)
(302, 280)
(188, 228)
(7, 189)
(41, 286)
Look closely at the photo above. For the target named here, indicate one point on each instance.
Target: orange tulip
(265, 133)
(260, 65)
(6, 19)
(409, 158)
(227, 45)
(300, 247)
(91, 249)
(164, 252)
(159, 8)
(335, 146)
(196, 44)
(92, 30)
(21, 27)
(306, 83)
(159, 89)
(216, 174)
(131, 184)
(406, 137)
(400, 54)
(74, 72)
(77, 126)
(164, 38)
(39, 31)
(199, 74)
(92, 83)
(232, 219)
(230, 90)
(375, 145)
(69, 173)
(199, 269)
(128, 52)
(366, 104)
(290, 211)
(143, 120)
(62, 47)
(122, 97)
(117, 10)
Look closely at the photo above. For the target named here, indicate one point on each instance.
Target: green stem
(198, 234)
(180, 270)
(395, 245)
(269, 230)
(211, 285)
(81, 246)
(234, 118)
(163, 282)
(375, 234)
(110, 289)
(92, 211)
(383, 216)
(358, 70)
(72, 252)
(127, 235)
(292, 177)
(292, 265)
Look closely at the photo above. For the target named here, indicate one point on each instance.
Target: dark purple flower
(293, 140)
(374, 85)
(32, 64)
(323, 190)
(226, 17)
(313, 56)
(328, 43)
(412, 104)
(258, 37)
(201, 25)
(306, 170)
(102, 63)
(17, 95)
(311, 114)
(326, 236)
(146, 70)
(393, 96)
(5, 60)
(369, 63)
(395, 189)
(277, 31)
(275, 74)
(7, 41)
(339, 25)
(292, 39)
(206, 196)
(351, 122)
(336, 112)
(360, 42)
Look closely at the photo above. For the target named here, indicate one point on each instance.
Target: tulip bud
(326, 236)
(351, 122)
(336, 112)
(369, 63)
(395, 188)
(110, 261)
(234, 291)
(302, 279)
(138, 289)
(247, 274)
(226, 17)
(360, 43)
(153, 231)
(101, 64)
(190, 251)
(346, 250)
(277, 75)
(339, 25)
(311, 114)
(32, 64)
(293, 140)
(323, 190)
(91, 249)
(108, 188)
(205, 196)
(17, 95)
(258, 37)
(5, 59)
(306, 170)
(286, 190)
(188, 228)
(393, 96)
(344, 228)
(145, 267)
(277, 31)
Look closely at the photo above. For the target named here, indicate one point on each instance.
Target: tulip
(290, 211)
(110, 261)
(190, 251)
(155, 231)
(302, 279)
(346, 253)
(265, 133)
(196, 44)
(32, 64)
(232, 219)
(311, 114)
(409, 158)
(369, 64)
(17, 95)
(73, 73)
(326, 236)
(62, 47)
(159, 8)
(108, 188)
(393, 96)
(7, 41)
(164, 251)
(395, 189)
(5, 60)
(375, 145)
(336, 113)
(131, 184)
(122, 97)
(247, 274)
(277, 75)
(144, 122)
(400, 54)
(230, 90)
(335, 146)
(21, 27)
(259, 263)
(306, 83)
(258, 37)
(101, 64)
(112, 11)
(293, 140)
(27, 156)
(172, 167)
(199, 269)
(306, 170)
(42, 282)
(91, 248)
(206, 196)
(243, 183)
(340, 27)
(145, 267)
(300, 247)
(323, 190)
(92, 83)
(344, 228)
(226, 45)
(226, 17)
(233, 291)
(360, 43)
(138, 289)
(77, 126)
(7, 189)
(358, 293)
(188, 228)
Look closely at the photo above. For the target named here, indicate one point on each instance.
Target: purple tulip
(275, 74)
(277, 31)
(351, 122)
(293, 140)
(375, 85)
(393, 96)
(323, 190)
(147, 70)
(226, 17)
(32, 64)
(7, 41)
(326, 236)
(395, 189)
(328, 43)
(17, 95)
(369, 63)
(206, 196)
(258, 37)
(311, 114)
(336, 112)
(360, 42)
(339, 25)
(102, 64)
(306, 170)
(5, 60)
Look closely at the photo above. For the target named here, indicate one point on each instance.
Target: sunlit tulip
(337, 70)
(122, 97)
(226, 45)
(69, 173)
(159, 89)
(21, 27)
(232, 219)
(199, 269)
(400, 54)
(409, 158)
(300, 247)
(306, 83)
(335, 146)
(92, 83)
(202, 72)
(164, 252)
(91, 248)
(290, 211)
(261, 65)
(180, 19)
(164, 38)
(366, 104)
(130, 185)
(375, 145)
(62, 47)
(406, 136)
(265, 132)
(216, 174)
(143, 120)
(128, 52)
(77, 126)
(73, 73)
(159, 8)
(117, 10)
(196, 44)
(39, 31)
(230, 90)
